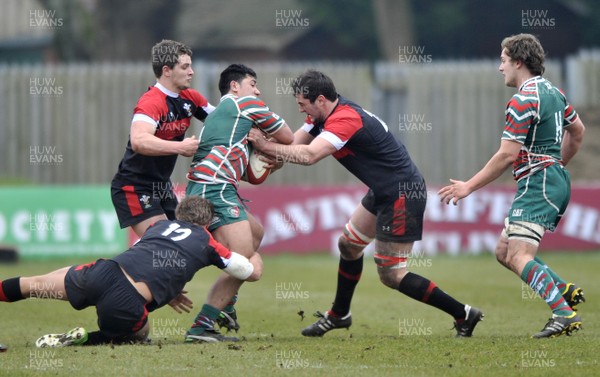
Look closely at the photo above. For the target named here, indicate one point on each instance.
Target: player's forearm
(149, 145)
(302, 137)
(295, 154)
(284, 135)
(570, 145)
(491, 171)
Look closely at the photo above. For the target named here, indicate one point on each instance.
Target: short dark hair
(235, 72)
(527, 49)
(167, 52)
(312, 84)
(196, 210)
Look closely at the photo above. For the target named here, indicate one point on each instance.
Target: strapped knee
(523, 231)
(354, 237)
(390, 262)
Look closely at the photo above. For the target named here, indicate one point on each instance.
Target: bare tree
(395, 26)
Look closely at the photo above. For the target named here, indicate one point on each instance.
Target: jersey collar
(534, 78)
(162, 88)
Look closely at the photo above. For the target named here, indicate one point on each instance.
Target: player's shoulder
(250, 101)
(346, 111)
(193, 95)
(152, 97)
(152, 93)
(523, 99)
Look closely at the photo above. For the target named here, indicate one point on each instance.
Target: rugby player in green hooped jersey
(217, 167)
(541, 135)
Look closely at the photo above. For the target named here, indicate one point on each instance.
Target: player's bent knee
(501, 250)
(391, 269)
(352, 242)
(391, 277)
(347, 250)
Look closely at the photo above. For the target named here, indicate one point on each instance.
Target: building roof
(274, 24)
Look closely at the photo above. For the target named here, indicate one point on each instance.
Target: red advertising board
(310, 219)
(475, 223)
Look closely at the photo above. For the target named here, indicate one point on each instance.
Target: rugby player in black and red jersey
(391, 213)
(142, 279)
(142, 192)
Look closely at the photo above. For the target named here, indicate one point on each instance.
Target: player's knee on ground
(352, 242)
(142, 334)
(391, 269)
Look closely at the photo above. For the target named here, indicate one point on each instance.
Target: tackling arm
(144, 142)
(309, 154)
(248, 269)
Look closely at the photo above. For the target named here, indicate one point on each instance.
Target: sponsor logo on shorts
(234, 211)
(517, 212)
(215, 220)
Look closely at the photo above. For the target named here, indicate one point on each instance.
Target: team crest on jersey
(234, 211)
(145, 199)
(188, 109)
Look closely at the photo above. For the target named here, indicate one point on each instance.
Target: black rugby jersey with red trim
(167, 257)
(171, 113)
(366, 148)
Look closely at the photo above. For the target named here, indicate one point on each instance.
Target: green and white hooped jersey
(222, 155)
(535, 117)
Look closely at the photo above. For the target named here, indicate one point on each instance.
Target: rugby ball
(256, 172)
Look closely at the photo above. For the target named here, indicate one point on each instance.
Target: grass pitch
(391, 335)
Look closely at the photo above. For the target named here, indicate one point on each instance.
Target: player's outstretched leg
(421, 289)
(391, 260)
